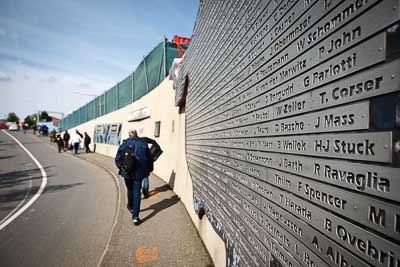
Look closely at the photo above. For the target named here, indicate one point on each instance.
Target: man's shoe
(136, 221)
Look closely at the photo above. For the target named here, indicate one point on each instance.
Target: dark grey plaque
(315, 240)
(283, 143)
(352, 117)
(367, 25)
(371, 179)
(321, 219)
(359, 57)
(362, 146)
(353, 206)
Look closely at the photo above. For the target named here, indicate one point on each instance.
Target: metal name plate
(254, 233)
(364, 146)
(314, 216)
(367, 25)
(375, 180)
(259, 31)
(353, 206)
(352, 117)
(366, 54)
(282, 141)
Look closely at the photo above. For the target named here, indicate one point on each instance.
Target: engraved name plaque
(293, 130)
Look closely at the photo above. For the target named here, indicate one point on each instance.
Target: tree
(44, 116)
(12, 117)
(30, 120)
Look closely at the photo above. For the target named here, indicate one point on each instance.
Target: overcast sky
(51, 48)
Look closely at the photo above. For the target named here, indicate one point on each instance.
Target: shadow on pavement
(6, 157)
(24, 143)
(162, 188)
(10, 179)
(20, 194)
(157, 207)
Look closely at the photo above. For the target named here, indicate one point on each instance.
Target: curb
(117, 210)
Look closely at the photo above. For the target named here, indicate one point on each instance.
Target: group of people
(135, 170)
(73, 142)
(135, 163)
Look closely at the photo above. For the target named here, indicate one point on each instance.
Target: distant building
(55, 120)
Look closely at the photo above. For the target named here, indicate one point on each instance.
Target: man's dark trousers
(133, 188)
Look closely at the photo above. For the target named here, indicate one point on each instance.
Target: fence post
(105, 102)
(133, 88)
(117, 96)
(145, 73)
(161, 64)
(165, 57)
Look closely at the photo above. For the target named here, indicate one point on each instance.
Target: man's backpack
(129, 160)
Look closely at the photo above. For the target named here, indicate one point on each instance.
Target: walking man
(66, 138)
(76, 140)
(134, 162)
(59, 142)
(86, 142)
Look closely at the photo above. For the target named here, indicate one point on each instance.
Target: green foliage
(44, 116)
(12, 117)
(30, 120)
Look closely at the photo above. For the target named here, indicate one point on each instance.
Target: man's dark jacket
(66, 136)
(141, 150)
(87, 140)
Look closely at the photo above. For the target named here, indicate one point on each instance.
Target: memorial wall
(292, 129)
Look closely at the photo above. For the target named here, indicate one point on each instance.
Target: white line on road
(38, 193)
(22, 201)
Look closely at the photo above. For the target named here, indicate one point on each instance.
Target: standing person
(134, 162)
(66, 138)
(87, 141)
(76, 140)
(59, 142)
(81, 135)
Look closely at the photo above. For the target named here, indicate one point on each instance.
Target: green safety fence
(97, 106)
(125, 92)
(148, 75)
(90, 110)
(153, 64)
(139, 81)
(102, 104)
(111, 99)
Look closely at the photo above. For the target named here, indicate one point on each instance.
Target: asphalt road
(70, 223)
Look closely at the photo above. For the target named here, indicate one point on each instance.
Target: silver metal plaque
(374, 180)
(350, 205)
(363, 146)
(322, 220)
(288, 147)
(367, 53)
(367, 25)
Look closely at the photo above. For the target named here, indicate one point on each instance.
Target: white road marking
(21, 202)
(38, 193)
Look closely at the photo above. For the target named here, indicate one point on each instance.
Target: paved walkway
(166, 236)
